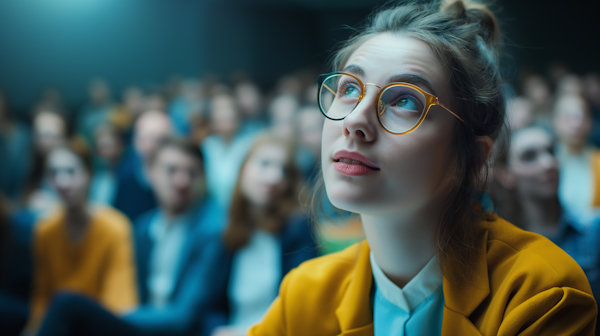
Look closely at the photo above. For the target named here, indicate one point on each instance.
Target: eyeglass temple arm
(447, 109)
(330, 90)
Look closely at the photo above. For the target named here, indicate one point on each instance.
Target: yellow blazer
(523, 285)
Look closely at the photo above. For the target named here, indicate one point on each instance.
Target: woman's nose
(361, 123)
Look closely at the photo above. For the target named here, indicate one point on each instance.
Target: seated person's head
(266, 192)
(249, 98)
(224, 116)
(68, 170)
(528, 166)
(282, 111)
(309, 124)
(150, 128)
(176, 174)
(572, 120)
(99, 92)
(49, 131)
(108, 144)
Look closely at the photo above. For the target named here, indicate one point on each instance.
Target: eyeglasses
(401, 107)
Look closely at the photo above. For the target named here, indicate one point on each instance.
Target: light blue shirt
(169, 239)
(575, 186)
(416, 309)
(222, 163)
(254, 281)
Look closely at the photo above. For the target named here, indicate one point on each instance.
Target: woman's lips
(353, 164)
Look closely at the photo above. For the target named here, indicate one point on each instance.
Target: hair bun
(472, 12)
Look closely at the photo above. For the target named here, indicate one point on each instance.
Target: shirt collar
(415, 291)
(158, 227)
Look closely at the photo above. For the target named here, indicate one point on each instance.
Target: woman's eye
(407, 103)
(350, 91)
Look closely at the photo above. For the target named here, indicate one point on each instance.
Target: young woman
(265, 238)
(412, 114)
(80, 248)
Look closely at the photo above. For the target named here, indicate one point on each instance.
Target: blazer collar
(354, 313)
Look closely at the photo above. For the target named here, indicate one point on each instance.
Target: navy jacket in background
(189, 298)
(133, 196)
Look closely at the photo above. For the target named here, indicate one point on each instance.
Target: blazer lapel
(462, 300)
(354, 314)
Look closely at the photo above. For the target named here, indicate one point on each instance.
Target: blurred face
(248, 97)
(310, 128)
(264, 175)
(49, 132)
(224, 116)
(532, 163)
(99, 92)
(108, 145)
(176, 178)
(537, 90)
(283, 111)
(68, 176)
(370, 171)
(572, 120)
(150, 129)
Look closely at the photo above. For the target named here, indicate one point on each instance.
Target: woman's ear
(505, 178)
(487, 144)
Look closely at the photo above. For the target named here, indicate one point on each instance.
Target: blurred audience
(173, 243)
(198, 273)
(15, 141)
(97, 111)
(225, 150)
(50, 131)
(108, 149)
(526, 194)
(265, 238)
(580, 163)
(134, 195)
(79, 247)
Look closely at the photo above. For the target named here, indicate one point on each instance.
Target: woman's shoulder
(513, 253)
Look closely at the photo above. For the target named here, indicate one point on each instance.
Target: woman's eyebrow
(413, 79)
(355, 70)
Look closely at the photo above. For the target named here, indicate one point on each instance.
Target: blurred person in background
(134, 195)
(224, 151)
(173, 244)
(579, 188)
(569, 84)
(15, 144)
(265, 238)
(309, 126)
(123, 116)
(108, 149)
(50, 131)
(519, 112)
(282, 112)
(249, 99)
(537, 89)
(79, 247)
(181, 106)
(591, 90)
(526, 193)
(96, 111)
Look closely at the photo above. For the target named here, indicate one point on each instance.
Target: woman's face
(264, 176)
(68, 176)
(532, 163)
(409, 169)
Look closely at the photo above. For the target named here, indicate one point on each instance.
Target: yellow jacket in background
(100, 266)
(523, 285)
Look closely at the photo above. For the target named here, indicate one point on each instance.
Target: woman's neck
(402, 244)
(540, 215)
(77, 219)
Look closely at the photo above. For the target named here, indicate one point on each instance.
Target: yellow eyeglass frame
(429, 98)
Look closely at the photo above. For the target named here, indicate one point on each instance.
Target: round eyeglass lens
(400, 108)
(339, 95)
